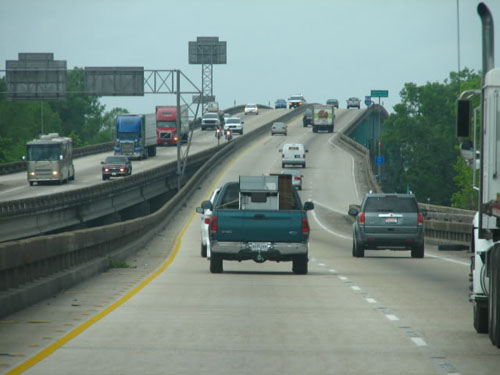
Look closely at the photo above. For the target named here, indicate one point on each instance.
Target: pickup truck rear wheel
(203, 250)
(215, 264)
(299, 266)
(417, 251)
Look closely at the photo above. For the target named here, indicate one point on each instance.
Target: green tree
(419, 139)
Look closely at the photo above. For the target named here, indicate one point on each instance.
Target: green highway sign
(380, 93)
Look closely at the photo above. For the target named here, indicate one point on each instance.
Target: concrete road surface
(166, 314)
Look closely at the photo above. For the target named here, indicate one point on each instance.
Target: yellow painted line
(40, 356)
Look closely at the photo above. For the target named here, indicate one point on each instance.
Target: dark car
(333, 102)
(307, 117)
(280, 103)
(114, 166)
(388, 221)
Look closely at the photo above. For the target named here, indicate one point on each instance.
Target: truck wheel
(480, 317)
(417, 251)
(299, 266)
(215, 264)
(31, 183)
(494, 305)
(203, 250)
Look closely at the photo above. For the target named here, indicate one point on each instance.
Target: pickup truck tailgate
(261, 226)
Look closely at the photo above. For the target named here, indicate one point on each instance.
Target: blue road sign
(379, 160)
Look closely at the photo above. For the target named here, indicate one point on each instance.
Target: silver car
(296, 177)
(353, 103)
(279, 128)
(206, 215)
(388, 221)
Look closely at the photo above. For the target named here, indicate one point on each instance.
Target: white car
(293, 154)
(206, 215)
(234, 124)
(251, 108)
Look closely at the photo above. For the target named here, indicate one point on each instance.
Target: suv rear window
(390, 203)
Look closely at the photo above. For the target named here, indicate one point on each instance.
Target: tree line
(81, 117)
(421, 147)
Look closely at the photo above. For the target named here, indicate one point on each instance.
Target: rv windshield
(44, 152)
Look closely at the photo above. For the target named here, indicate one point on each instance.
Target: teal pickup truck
(259, 218)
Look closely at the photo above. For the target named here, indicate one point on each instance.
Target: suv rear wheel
(358, 251)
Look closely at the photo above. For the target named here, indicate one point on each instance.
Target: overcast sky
(322, 49)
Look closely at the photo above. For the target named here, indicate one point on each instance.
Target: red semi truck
(166, 125)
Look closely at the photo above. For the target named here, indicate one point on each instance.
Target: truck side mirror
(308, 206)
(353, 212)
(206, 205)
(463, 118)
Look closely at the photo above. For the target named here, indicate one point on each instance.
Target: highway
(163, 312)
(88, 169)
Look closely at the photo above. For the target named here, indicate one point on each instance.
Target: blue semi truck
(136, 136)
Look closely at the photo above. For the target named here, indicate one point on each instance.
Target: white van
(293, 154)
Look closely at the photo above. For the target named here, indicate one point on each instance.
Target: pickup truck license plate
(391, 220)
(259, 246)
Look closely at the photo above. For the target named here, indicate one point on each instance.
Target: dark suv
(307, 117)
(388, 221)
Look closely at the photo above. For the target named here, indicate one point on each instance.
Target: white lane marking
(313, 259)
(343, 278)
(354, 287)
(329, 208)
(371, 300)
(332, 270)
(391, 317)
(448, 259)
(418, 341)
(352, 169)
(321, 264)
(328, 230)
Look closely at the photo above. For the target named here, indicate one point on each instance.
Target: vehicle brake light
(361, 218)
(305, 226)
(213, 224)
(207, 219)
(297, 178)
(420, 220)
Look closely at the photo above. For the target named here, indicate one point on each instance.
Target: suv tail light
(297, 178)
(207, 219)
(305, 226)
(361, 218)
(420, 220)
(213, 224)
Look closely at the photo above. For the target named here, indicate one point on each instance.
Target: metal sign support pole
(178, 125)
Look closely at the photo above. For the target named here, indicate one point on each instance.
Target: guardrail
(35, 268)
(442, 224)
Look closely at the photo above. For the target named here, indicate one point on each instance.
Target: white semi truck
(485, 261)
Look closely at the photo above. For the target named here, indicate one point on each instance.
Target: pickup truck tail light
(305, 226)
(213, 224)
(361, 218)
(420, 220)
(207, 219)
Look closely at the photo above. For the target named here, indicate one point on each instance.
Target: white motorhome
(50, 158)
